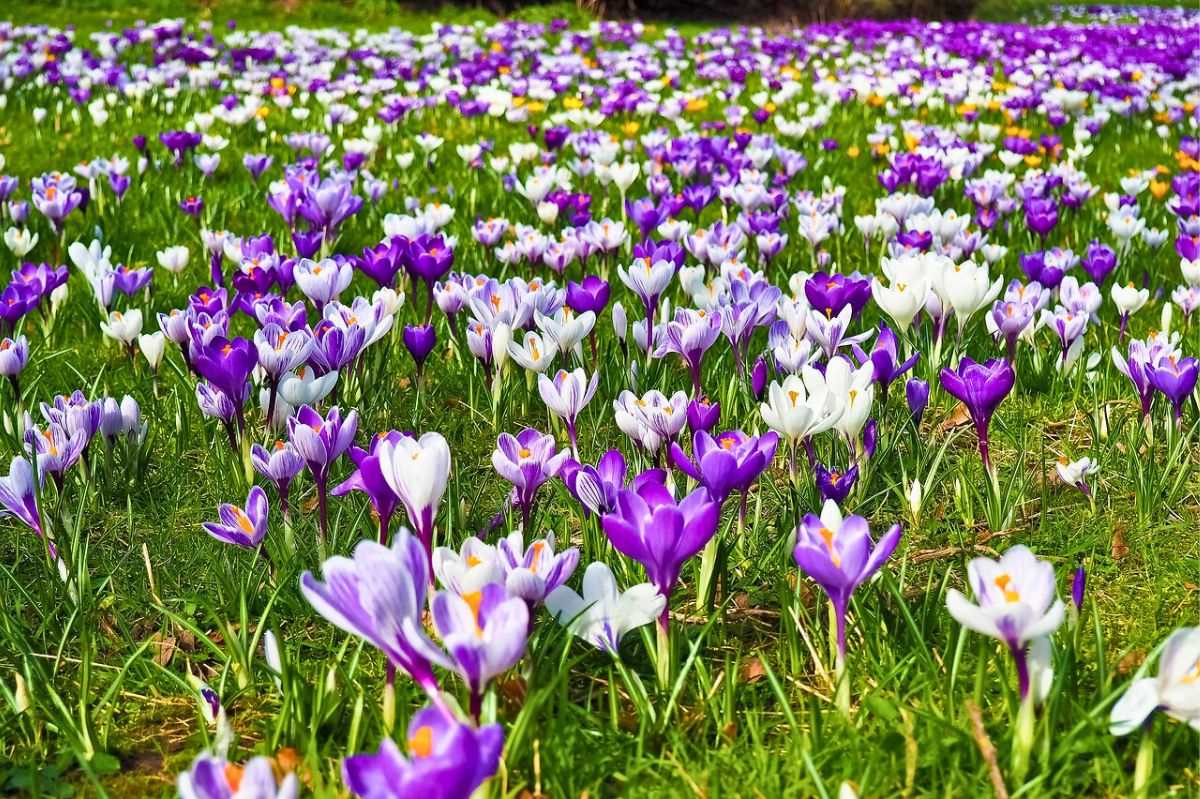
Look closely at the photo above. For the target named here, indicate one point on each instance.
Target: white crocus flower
(604, 614)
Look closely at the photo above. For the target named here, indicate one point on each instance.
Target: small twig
(986, 749)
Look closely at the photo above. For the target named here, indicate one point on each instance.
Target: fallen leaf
(752, 671)
(1119, 548)
(164, 648)
(959, 417)
(1131, 662)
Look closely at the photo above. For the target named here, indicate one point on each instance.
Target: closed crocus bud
(914, 498)
(759, 376)
(620, 322)
(420, 340)
(153, 346)
(1078, 586)
(110, 418)
(870, 437)
(703, 415)
(917, 392)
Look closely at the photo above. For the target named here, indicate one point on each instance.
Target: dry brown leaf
(1119, 548)
(752, 671)
(164, 648)
(1131, 662)
(959, 417)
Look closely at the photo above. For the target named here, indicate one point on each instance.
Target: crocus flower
(533, 572)
(55, 449)
(468, 569)
(981, 387)
(1173, 691)
(527, 460)
(245, 528)
(690, 334)
(1076, 473)
(446, 759)
(368, 478)
(884, 358)
(1015, 601)
(566, 395)
(419, 340)
(321, 440)
(484, 632)
(838, 554)
(18, 497)
(1078, 586)
(227, 364)
(916, 391)
(213, 777)
(727, 462)
(703, 415)
(649, 526)
(604, 614)
(597, 487)
(280, 465)
(417, 469)
(1175, 378)
(379, 594)
(322, 281)
(834, 485)
(14, 354)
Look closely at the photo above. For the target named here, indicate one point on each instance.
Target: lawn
(117, 647)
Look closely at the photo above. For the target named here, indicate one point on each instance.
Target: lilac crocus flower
(1175, 378)
(838, 554)
(690, 334)
(55, 449)
(18, 498)
(321, 441)
(527, 460)
(446, 759)
(981, 387)
(213, 777)
(533, 572)
(597, 487)
(379, 595)
(368, 478)
(280, 465)
(14, 354)
(566, 395)
(279, 352)
(484, 632)
(245, 528)
(729, 462)
(703, 415)
(649, 526)
(1015, 601)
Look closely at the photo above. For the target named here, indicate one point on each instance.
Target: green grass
(752, 715)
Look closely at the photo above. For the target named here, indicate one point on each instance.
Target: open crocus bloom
(1176, 689)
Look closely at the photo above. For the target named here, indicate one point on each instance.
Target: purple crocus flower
(245, 528)
(14, 354)
(703, 415)
(834, 485)
(192, 205)
(55, 449)
(179, 142)
(484, 632)
(828, 294)
(532, 572)
(419, 340)
(527, 460)
(321, 441)
(591, 294)
(280, 465)
(885, 358)
(916, 391)
(690, 334)
(728, 462)
(1078, 586)
(981, 387)
(649, 526)
(1175, 378)
(18, 498)
(279, 352)
(368, 478)
(379, 595)
(256, 164)
(227, 364)
(838, 554)
(212, 777)
(759, 377)
(446, 759)
(429, 258)
(1099, 261)
(597, 487)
